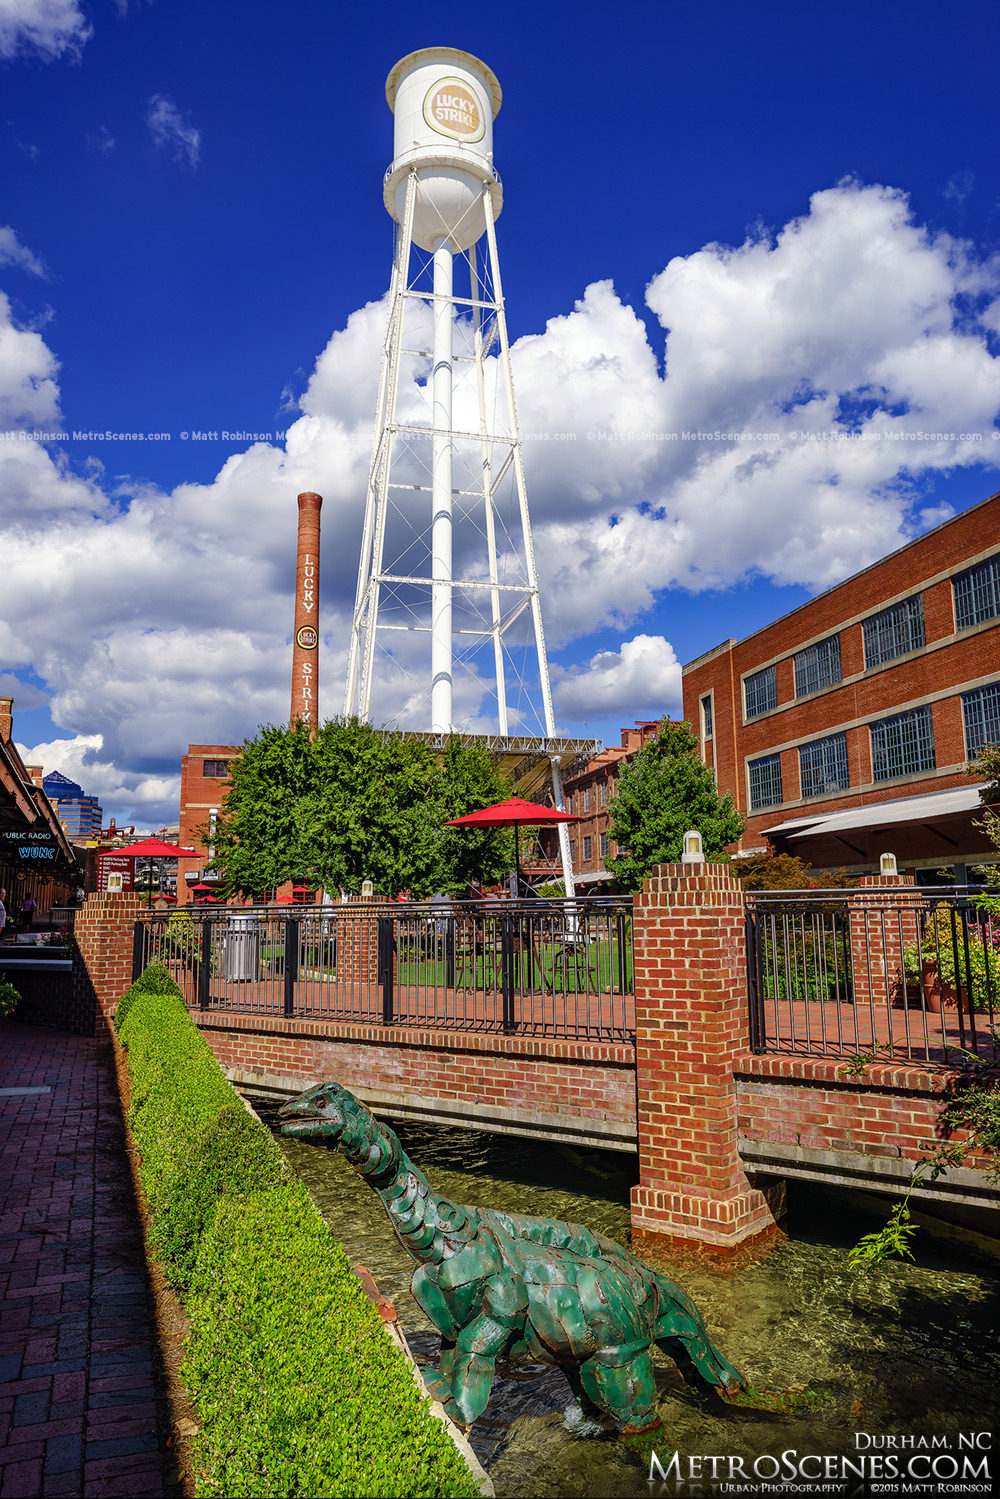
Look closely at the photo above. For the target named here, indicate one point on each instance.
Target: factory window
(981, 715)
(603, 795)
(817, 666)
(604, 845)
(761, 692)
(217, 769)
(902, 745)
(586, 799)
(894, 631)
(823, 766)
(977, 593)
(587, 846)
(569, 802)
(572, 850)
(706, 717)
(765, 782)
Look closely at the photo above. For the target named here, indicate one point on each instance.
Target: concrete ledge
(845, 1168)
(899, 1077)
(422, 1036)
(38, 965)
(603, 1134)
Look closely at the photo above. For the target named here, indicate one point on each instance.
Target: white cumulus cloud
(47, 28)
(642, 679)
(835, 367)
(171, 131)
(13, 252)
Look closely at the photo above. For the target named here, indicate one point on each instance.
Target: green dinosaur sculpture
(499, 1284)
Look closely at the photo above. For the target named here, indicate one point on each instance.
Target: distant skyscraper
(80, 815)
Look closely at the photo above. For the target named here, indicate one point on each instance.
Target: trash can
(242, 949)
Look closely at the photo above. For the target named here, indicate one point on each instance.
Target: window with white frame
(823, 766)
(981, 718)
(760, 692)
(903, 745)
(587, 847)
(977, 593)
(817, 666)
(765, 782)
(706, 717)
(894, 631)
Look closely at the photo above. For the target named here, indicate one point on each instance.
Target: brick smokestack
(6, 719)
(305, 643)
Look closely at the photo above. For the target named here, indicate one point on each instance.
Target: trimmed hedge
(297, 1387)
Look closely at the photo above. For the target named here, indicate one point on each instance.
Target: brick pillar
(884, 917)
(691, 1022)
(357, 948)
(102, 963)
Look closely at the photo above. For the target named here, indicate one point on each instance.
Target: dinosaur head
(327, 1110)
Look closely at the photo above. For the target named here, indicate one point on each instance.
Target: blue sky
(196, 227)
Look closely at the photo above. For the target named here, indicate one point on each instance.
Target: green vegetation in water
(972, 1107)
(788, 1402)
(297, 1388)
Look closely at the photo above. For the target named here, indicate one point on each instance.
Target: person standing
(28, 908)
(3, 910)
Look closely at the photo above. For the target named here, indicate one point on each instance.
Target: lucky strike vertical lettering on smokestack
(305, 643)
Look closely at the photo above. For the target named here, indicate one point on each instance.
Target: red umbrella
(155, 848)
(201, 887)
(514, 813)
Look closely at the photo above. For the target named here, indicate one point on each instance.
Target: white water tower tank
(445, 102)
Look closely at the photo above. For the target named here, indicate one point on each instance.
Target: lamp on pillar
(887, 865)
(305, 643)
(693, 852)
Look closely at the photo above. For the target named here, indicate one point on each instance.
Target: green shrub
(297, 1387)
(10, 998)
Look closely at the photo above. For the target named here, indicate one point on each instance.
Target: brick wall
(51, 999)
(102, 964)
(581, 1090)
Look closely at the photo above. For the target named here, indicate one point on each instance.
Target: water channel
(899, 1350)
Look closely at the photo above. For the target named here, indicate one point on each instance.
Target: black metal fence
(890, 973)
(552, 968)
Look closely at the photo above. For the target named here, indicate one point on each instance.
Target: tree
(356, 803)
(662, 792)
(787, 872)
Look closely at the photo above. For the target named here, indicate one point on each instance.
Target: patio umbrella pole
(517, 863)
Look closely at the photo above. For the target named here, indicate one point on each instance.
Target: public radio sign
(25, 843)
(451, 108)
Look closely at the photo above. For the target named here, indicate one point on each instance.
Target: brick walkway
(77, 1412)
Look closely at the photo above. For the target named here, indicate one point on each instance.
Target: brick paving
(77, 1343)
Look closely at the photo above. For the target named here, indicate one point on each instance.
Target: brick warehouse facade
(204, 782)
(589, 789)
(879, 689)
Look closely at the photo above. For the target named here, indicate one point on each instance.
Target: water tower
(447, 597)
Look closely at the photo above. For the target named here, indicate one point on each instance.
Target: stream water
(902, 1350)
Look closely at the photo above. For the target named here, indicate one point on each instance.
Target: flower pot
(939, 995)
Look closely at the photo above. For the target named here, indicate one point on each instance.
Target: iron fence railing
(553, 968)
(891, 973)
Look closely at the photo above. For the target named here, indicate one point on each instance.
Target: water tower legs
(441, 496)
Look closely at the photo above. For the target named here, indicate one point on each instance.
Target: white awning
(929, 808)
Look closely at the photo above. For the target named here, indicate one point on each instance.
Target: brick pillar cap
(308, 500)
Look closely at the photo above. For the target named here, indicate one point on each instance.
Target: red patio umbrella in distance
(514, 813)
(154, 848)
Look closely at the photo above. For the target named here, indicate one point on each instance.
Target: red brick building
(588, 791)
(204, 783)
(876, 693)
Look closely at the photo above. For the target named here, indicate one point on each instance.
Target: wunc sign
(26, 844)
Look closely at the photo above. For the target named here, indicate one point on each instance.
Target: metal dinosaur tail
(682, 1335)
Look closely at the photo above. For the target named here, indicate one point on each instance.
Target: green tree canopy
(357, 803)
(664, 790)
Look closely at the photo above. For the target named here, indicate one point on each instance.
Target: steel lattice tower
(446, 549)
